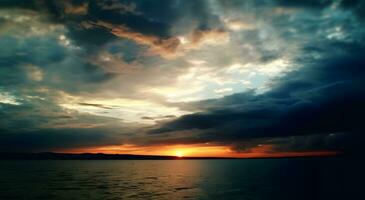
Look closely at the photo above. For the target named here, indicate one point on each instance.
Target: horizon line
(109, 156)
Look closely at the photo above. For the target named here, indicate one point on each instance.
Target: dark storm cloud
(16, 59)
(159, 117)
(358, 6)
(322, 98)
(33, 127)
(144, 17)
(305, 3)
(48, 140)
(344, 142)
(18, 4)
(95, 105)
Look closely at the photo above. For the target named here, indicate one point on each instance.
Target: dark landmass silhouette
(101, 156)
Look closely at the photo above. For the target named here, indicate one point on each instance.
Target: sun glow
(196, 150)
(179, 153)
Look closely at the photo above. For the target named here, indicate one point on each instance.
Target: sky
(172, 77)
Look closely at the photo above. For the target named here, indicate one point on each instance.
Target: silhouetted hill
(101, 156)
(90, 156)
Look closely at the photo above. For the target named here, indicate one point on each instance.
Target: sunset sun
(179, 153)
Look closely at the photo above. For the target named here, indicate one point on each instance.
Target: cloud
(158, 117)
(199, 38)
(165, 47)
(324, 98)
(34, 73)
(80, 9)
(114, 63)
(119, 6)
(223, 90)
(95, 105)
(284, 75)
(237, 25)
(26, 23)
(6, 98)
(43, 125)
(48, 140)
(168, 48)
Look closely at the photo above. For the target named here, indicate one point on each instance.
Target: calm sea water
(294, 179)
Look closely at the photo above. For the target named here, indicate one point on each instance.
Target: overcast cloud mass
(81, 74)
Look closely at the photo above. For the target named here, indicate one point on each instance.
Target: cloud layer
(282, 74)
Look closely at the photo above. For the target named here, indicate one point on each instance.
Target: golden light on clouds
(7, 98)
(238, 25)
(128, 110)
(34, 73)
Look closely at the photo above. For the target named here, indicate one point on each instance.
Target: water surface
(251, 179)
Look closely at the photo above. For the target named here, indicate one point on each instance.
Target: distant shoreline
(101, 156)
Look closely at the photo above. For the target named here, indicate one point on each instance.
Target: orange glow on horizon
(179, 153)
(197, 150)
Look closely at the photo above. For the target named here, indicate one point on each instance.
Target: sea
(246, 179)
